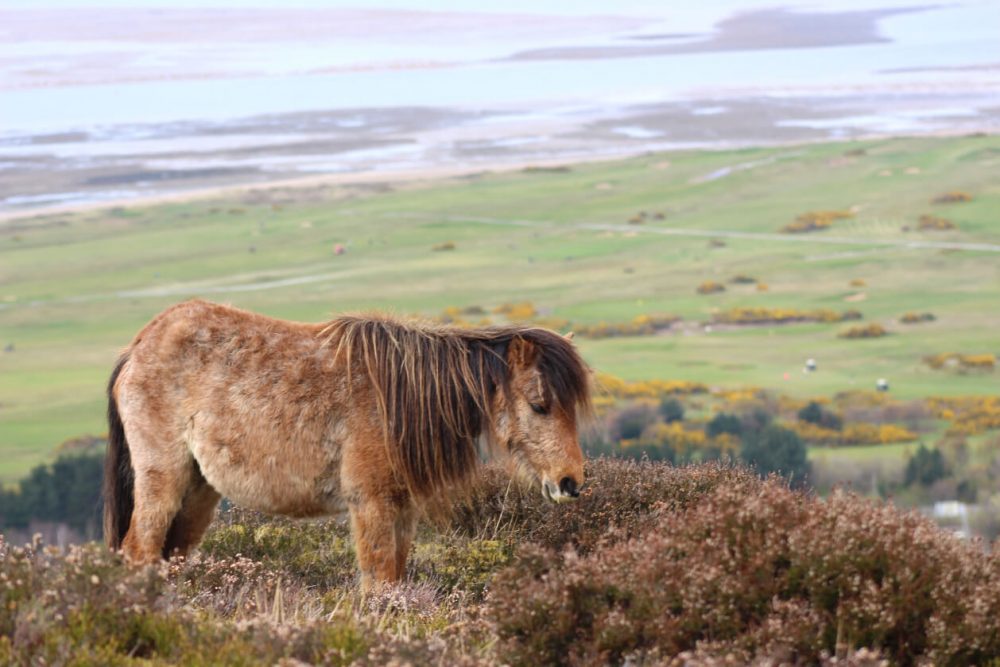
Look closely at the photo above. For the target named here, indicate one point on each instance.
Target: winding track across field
(753, 236)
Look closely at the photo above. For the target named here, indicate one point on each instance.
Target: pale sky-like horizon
(577, 7)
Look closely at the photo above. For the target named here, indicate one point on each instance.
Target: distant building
(952, 514)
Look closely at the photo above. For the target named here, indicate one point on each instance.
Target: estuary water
(139, 99)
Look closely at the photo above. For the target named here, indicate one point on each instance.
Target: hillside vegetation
(706, 562)
(618, 249)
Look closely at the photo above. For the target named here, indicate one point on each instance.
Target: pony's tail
(119, 479)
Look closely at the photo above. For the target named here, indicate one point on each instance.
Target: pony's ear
(522, 353)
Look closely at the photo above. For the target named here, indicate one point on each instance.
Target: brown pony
(371, 414)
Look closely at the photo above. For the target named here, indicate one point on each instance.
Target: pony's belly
(273, 483)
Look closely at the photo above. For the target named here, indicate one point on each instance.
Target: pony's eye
(539, 409)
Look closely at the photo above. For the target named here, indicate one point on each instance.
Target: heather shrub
(312, 552)
(656, 565)
(621, 498)
(82, 607)
(457, 562)
(756, 570)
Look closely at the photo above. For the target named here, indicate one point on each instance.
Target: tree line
(68, 491)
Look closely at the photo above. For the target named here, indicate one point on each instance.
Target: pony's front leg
(405, 528)
(376, 524)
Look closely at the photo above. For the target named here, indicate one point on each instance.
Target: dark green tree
(814, 413)
(723, 422)
(756, 420)
(629, 423)
(776, 449)
(925, 467)
(67, 491)
(671, 410)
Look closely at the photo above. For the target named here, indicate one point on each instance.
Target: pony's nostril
(568, 486)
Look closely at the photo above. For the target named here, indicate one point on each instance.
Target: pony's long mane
(434, 386)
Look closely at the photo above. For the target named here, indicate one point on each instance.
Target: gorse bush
(525, 312)
(710, 287)
(934, 223)
(815, 221)
(517, 312)
(917, 318)
(640, 325)
(852, 433)
(968, 415)
(868, 331)
(761, 315)
(952, 197)
(962, 362)
(609, 385)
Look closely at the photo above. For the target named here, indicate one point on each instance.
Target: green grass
(75, 288)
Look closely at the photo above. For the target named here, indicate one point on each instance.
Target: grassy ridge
(75, 288)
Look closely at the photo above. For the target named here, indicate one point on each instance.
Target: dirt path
(752, 236)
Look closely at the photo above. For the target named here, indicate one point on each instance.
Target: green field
(74, 288)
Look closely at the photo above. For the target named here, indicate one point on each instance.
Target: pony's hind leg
(196, 513)
(158, 496)
(164, 471)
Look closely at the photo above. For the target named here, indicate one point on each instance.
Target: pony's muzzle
(568, 486)
(566, 490)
